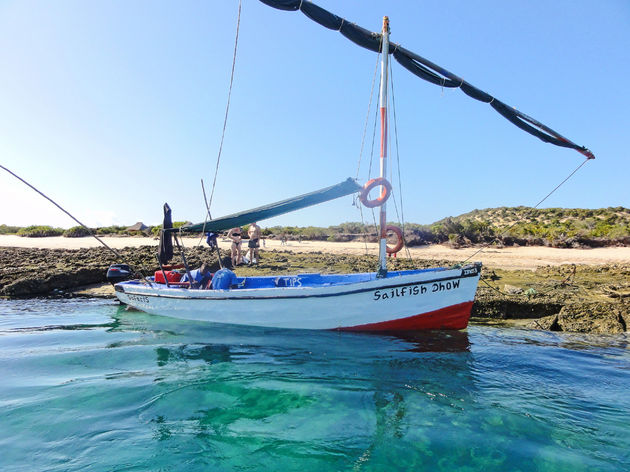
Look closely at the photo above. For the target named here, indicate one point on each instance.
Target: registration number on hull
(138, 298)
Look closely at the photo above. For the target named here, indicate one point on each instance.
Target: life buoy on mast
(399, 239)
(369, 185)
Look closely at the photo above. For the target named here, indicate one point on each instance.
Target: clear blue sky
(114, 107)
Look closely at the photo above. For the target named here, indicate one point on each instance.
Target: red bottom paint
(451, 317)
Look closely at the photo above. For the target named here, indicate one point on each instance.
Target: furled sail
(346, 187)
(426, 70)
(166, 238)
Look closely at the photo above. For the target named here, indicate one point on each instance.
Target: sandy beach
(506, 258)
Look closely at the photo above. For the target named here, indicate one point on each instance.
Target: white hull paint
(345, 306)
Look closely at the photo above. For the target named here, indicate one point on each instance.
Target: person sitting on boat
(254, 242)
(211, 239)
(235, 236)
(200, 276)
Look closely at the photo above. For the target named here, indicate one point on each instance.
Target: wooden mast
(382, 249)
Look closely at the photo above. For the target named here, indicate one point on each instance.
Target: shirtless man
(235, 235)
(254, 242)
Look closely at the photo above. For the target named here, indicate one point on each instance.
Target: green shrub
(111, 230)
(4, 229)
(39, 231)
(76, 232)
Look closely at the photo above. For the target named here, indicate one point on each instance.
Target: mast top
(386, 24)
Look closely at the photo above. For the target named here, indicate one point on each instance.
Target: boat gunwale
(245, 293)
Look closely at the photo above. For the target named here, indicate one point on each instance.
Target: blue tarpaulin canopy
(346, 187)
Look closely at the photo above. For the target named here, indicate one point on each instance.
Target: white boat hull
(434, 299)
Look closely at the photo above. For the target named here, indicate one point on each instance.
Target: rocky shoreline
(587, 299)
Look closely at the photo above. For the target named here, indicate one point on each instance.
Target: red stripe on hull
(451, 317)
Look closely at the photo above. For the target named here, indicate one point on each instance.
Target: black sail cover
(166, 237)
(425, 69)
(346, 187)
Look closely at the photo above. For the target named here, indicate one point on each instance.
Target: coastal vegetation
(556, 227)
(39, 231)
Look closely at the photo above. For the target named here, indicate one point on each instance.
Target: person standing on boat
(254, 242)
(235, 235)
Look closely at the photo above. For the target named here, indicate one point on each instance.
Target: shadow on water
(431, 340)
(414, 341)
(224, 397)
(287, 387)
(434, 400)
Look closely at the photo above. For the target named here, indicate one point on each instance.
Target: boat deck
(300, 280)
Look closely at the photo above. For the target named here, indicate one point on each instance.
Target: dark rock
(596, 318)
(547, 323)
(26, 272)
(513, 309)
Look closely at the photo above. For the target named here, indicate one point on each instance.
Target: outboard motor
(119, 272)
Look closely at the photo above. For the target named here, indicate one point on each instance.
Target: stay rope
(66, 212)
(357, 203)
(208, 215)
(367, 116)
(227, 107)
(484, 246)
(567, 281)
(89, 230)
(401, 218)
(401, 215)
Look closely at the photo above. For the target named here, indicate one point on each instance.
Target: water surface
(86, 385)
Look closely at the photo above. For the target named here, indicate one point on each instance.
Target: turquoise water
(86, 385)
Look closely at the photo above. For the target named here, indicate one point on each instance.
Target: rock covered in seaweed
(594, 317)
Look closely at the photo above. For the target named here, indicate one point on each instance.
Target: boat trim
(120, 288)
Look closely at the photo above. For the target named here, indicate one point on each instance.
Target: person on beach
(235, 235)
(254, 242)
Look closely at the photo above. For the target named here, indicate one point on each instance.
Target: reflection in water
(155, 393)
(187, 352)
(431, 340)
(247, 390)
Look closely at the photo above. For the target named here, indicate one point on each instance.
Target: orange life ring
(369, 185)
(399, 236)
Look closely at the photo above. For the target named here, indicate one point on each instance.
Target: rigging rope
(536, 206)
(89, 230)
(400, 192)
(66, 212)
(371, 161)
(359, 205)
(367, 117)
(568, 280)
(227, 107)
(208, 215)
(426, 70)
(367, 120)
